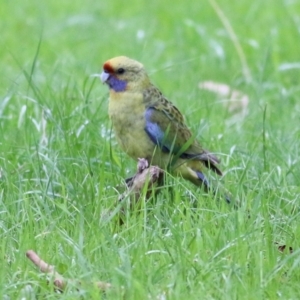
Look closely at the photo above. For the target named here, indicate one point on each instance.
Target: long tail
(204, 182)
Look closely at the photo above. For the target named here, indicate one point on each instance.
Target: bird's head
(124, 74)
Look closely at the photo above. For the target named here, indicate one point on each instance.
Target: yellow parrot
(149, 126)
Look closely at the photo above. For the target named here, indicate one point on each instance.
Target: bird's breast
(127, 111)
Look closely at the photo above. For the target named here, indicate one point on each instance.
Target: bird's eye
(120, 71)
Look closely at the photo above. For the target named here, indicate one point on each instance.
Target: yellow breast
(126, 111)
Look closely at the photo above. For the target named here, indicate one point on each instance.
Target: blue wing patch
(162, 137)
(154, 131)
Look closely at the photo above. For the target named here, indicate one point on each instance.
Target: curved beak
(104, 76)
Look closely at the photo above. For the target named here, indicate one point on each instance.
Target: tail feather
(203, 180)
(208, 159)
(207, 186)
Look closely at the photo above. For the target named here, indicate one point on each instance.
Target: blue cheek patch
(116, 84)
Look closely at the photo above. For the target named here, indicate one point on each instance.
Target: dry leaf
(235, 101)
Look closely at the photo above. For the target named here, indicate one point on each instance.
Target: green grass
(59, 165)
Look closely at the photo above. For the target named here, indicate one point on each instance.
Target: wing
(166, 132)
(165, 127)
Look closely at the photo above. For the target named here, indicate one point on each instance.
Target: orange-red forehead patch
(108, 68)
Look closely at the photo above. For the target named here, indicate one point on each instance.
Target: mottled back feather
(173, 136)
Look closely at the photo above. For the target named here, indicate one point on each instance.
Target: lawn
(60, 164)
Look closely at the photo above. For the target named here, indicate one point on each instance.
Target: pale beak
(104, 76)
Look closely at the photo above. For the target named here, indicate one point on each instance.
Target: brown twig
(141, 186)
(58, 280)
(147, 176)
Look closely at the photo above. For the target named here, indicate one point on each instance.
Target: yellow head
(124, 74)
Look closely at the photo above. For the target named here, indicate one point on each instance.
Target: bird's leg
(129, 180)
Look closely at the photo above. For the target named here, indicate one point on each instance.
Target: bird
(147, 125)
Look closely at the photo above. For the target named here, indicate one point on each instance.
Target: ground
(60, 164)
